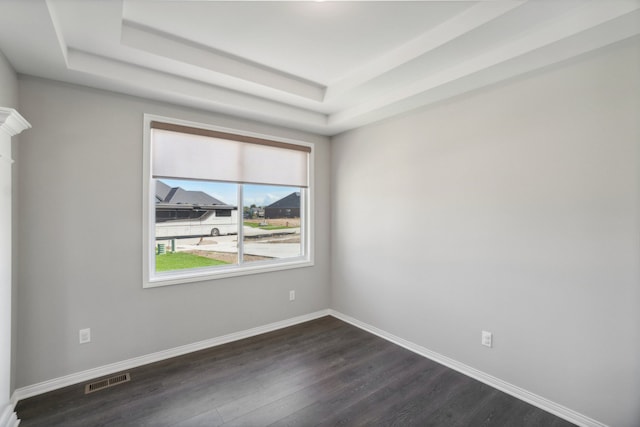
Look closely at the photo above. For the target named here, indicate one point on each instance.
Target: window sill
(199, 275)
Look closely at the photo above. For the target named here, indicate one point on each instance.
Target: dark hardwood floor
(324, 372)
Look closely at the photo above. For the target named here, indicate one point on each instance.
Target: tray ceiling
(323, 67)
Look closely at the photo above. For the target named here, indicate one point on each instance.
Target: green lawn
(274, 227)
(180, 260)
(266, 227)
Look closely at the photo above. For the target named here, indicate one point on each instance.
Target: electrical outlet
(292, 295)
(487, 339)
(84, 335)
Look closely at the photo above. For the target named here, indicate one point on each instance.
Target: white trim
(222, 272)
(79, 377)
(151, 280)
(515, 391)
(6, 159)
(8, 417)
(519, 393)
(12, 122)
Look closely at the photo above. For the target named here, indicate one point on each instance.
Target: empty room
(270, 213)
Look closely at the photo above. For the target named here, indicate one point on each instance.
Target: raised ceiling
(322, 67)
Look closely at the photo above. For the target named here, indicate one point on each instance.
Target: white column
(11, 123)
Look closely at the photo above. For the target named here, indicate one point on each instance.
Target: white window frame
(151, 279)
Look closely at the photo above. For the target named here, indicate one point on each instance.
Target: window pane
(271, 222)
(205, 221)
(196, 224)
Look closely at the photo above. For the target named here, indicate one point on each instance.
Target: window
(223, 212)
(220, 203)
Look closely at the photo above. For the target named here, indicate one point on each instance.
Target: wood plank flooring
(324, 372)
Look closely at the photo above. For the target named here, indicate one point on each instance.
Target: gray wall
(514, 210)
(80, 210)
(8, 84)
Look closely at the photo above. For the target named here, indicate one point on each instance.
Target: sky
(259, 195)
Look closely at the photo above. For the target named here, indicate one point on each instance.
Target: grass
(181, 260)
(265, 227)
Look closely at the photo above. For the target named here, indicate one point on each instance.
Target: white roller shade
(206, 157)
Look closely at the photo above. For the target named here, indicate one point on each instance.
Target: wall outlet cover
(487, 339)
(84, 335)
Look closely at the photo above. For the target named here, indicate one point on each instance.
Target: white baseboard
(538, 401)
(79, 377)
(8, 417)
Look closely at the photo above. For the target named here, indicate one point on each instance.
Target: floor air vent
(109, 382)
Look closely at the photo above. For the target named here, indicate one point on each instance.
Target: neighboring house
(182, 213)
(287, 207)
(180, 196)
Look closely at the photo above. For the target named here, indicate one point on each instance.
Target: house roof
(178, 196)
(162, 190)
(289, 202)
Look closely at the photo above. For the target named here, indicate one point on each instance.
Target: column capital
(11, 122)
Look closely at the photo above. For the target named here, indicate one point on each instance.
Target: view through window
(222, 204)
(198, 224)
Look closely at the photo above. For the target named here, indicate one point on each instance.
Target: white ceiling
(323, 67)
